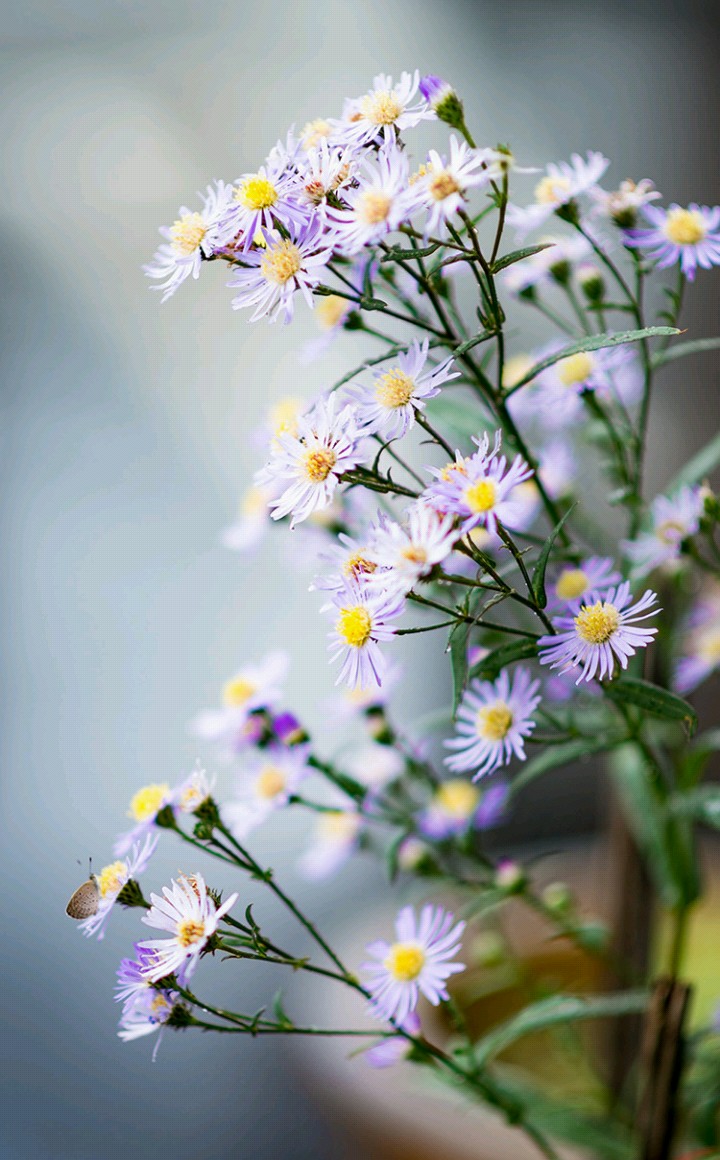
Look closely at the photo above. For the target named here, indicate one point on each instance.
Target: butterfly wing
(84, 902)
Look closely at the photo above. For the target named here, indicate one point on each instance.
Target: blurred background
(124, 448)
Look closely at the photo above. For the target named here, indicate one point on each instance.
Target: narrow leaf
(695, 761)
(646, 817)
(471, 342)
(653, 700)
(702, 804)
(595, 342)
(698, 346)
(518, 256)
(699, 467)
(400, 253)
(538, 577)
(554, 1011)
(492, 665)
(563, 754)
(279, 1010)
(458, 645)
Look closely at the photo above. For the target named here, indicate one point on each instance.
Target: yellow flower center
(572, 583)
(147, 801)
(684, 227)
(358, 565)
(354, 625)
(443, 185)
(382, 108)
(237, 691)
(668, 531)
(256, 193)
(515, 369)
(597, 622)
(480, 537)
(494, 721)
(253, 502)
(284, 416)
(187, 233)
(709, 648)
(552, 190)
(281, 263)
(159, 1005)
(373, 207)
(189, 931)
(458, 798)
(270, 783)
(394, 388)
(414, 554)
(405, 961)
(338, 825)
(314, 132)
(575, 369)
(331, 311)
(480, 496)
(319, 463)
(111, 879)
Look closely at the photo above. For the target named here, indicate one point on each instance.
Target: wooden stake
(660, 1067)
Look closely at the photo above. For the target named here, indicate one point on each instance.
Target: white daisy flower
(674, 520)
(328, 443)
(334, 838)
(386, 110)
(622, 205)
(193, 792)
(193, 236)
(266, 199)
(410, 551)
(325, 170)
(265, 785)
(444, 184)
(493, 721)
(188, 913)
(561, 183)
(362, 624)
(112, 879)
(381, 201)
(249, 690)
(390, 403)
(283, 267)
(417, 963)
(600, 632)
(145, 805)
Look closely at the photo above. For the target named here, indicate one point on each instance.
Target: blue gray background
(123, 451)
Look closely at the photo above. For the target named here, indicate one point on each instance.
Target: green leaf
(556, 755)
(471, 342)
(538, 577)
(699, 467)
(696, 759)
(701, 804)
(589, 1127)
(279, 1010)
(698, 346)
(492, 665)
(518, 256)
(400, 253)
(653, 700)
(554, 1011)
(458, 646)
(595, 342)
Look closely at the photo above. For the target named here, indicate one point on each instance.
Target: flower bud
(558, 898)
(591, 282)
(509, 876)
(488, 949)
(443, 99)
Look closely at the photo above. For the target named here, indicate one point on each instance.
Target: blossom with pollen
(362, 624)
(493, 721)
(145, 805)
(445, 184)
(265, 199)
(111, 880)
(674, 520)
(408, 552)
(689, 236)
(390, 403)
(265, 785)
(481, 489)
(386, 110)
(381, 201)
(274, 273)
(188, 913)
(310, 463)
(573, 580)
(194, 236)
(601, 631)
(248, 691)
(560, 184)
(418, 963)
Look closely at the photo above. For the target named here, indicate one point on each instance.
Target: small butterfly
(86, 899)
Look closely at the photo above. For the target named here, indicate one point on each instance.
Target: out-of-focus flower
(254, 517)
(700, 641)
(327, 444)
(386, 110)
(689, 236)
(265, 785)
(622, 205)
(561, 183)
(193, 792)
(573, 581)
(408, 552)
(392, 1050)
(390, 403)
(557, 467)
(188, 913)
(111, 880)
(148, 1013)
(333, 840)
(355, 563)
(284, 266)
(250, 690)
(562, 255)
(375, 765)
(493, 720)
(145, 805)
(674, 520)
(362, 624)
(457, 805)
(613, 374)
(601, 631)
(419, 962)
(193, 237)
(480, 489)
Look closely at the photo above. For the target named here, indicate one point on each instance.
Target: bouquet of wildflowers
(458, 483)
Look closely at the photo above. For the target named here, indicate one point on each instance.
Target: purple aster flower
(382, 199)
(601, 630)
(480, 489)
(700, 641)
(267, 199)
(132, 979)
(622, 205)
(146, 1014)
(191, 238)
(493, 720)
(418, 963)
(573, 581)
(333, 840)
(457, 805)
(390, 403)
(612, 373)
(265, 785)
(274, 273)
(188, 913)
(689, 236)
(325, 170)
(561, 183)
(145, 805)
(352, 560)
(250, 690)
(362, 624)
(328, 443)
(444, 184)
(392, 1050)
(386, 110)
(435, 89)
(406, 553)
(674, 520)
(111, 880)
